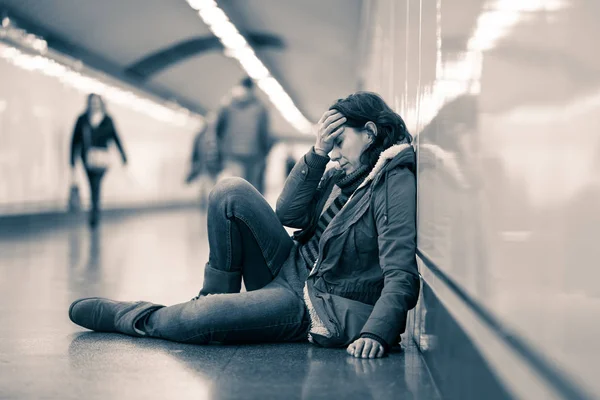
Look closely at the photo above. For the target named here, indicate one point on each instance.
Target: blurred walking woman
(94, 131)
(347, 278)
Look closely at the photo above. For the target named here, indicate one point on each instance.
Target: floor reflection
(364, 378)
(85, 261)
(158, 257)
(295, 371)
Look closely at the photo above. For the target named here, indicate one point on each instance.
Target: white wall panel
(509, 187)
(37, 115)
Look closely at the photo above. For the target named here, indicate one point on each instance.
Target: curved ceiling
(309, 46)
(173, 54)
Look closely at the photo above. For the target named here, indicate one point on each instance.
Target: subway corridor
(158, 256)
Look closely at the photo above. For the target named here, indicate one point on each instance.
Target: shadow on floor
(295, 370)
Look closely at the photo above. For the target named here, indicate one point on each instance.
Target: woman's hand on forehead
(329, 127)
(330, 113)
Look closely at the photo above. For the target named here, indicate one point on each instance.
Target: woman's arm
(76, 142)
(295, 204)
(395, 216)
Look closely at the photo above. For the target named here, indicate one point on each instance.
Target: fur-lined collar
(385, 156)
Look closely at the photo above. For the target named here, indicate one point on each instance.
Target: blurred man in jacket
(243, 133)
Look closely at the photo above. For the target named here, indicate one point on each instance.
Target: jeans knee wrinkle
(229, 246)
(261, 246)
(213, 331)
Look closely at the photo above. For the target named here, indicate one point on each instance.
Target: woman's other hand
(327, 129)
(366, 348)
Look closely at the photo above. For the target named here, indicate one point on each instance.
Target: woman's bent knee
(229, 188)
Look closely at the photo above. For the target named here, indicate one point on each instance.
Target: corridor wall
(37, 116)
(503, 98)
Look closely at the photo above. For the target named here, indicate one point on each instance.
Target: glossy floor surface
(155, 256)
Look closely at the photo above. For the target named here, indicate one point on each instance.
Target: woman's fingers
(329, 122)
(327, 114)
(334, 125)
(374, 350)
(335, 134)
(333, 118)
(367, 349)
(358, 348)
(350, 349)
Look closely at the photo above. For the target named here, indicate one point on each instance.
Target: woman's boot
(104, 315)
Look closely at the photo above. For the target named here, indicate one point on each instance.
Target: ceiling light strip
(72, 73)
(237, 47)
(462, 76)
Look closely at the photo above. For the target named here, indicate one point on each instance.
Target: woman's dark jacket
(365, 279)
(101, 136)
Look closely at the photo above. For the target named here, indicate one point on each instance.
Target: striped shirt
(340, 194)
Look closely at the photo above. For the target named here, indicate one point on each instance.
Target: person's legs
(274, 313)
(271, 314)
(255, 167)
(246, 239)
(95, 180)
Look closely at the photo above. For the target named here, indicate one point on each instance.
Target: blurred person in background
(94, 132)
(348, 277)
(206, 161)
(243, 133)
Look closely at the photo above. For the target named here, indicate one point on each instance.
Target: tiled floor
(155, 256)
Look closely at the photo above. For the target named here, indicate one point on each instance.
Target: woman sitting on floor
(348, 277)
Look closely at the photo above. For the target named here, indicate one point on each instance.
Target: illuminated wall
(38, 109)
(509, 188)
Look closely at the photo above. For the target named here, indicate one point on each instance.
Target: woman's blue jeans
(247, 241)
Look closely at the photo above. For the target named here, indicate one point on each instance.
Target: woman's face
(95, 104)
(349, 146)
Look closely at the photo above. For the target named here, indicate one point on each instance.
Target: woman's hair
(362, 107)
(89, 101)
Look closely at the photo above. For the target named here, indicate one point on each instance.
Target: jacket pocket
(367, 246)
(365, 236)
(348, 317)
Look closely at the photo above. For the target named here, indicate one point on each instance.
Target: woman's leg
(246, 239)
(274, 313)
(95, 180)
(271, 314)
